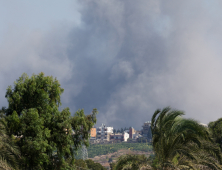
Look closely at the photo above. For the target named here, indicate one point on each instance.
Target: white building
(125, 136)
(119, 137)
(103, 132)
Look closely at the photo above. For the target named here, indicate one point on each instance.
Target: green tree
(47, 137)
(132, 162)
(9, 152)
(182, 143)
(94, 166)
(79, 163)
(112, 165)
(216, 131)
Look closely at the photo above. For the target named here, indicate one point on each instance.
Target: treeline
(103, 149)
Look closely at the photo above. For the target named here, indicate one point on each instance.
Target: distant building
(146, 131)
(119, 137)
(125, 136)
(138, 132)
(103, 132)
(93, 132)
(132, 131)
(136, 136)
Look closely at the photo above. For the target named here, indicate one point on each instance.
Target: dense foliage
(46, 137)
(88, 164)
(93, 165)
(133, 162)
(216, 131)
(182, 143)
(9, 152)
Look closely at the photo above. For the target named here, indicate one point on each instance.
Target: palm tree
(181, 143)
(9, 152)
(132, 162)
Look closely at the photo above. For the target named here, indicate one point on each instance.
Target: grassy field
(103, 149)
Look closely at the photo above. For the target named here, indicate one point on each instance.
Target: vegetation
(103, 149)
(9, 152)
(182, 143)
(133, 162)
(45, 136)
(88, 164)
(94, 166)
(216, 131)
(178, 143)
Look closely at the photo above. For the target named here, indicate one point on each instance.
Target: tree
(182, 143)
(132, 162)
(9, 152)
(216, 131)
(112, 165)
(80, 164)
(47, 137)
(94, 166)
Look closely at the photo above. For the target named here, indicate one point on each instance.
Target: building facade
(119, 137)
(146, 131)
(132, 131)
(93, 132)
(103, 132)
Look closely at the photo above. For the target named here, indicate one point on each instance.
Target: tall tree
(180, 143)
(47, 136)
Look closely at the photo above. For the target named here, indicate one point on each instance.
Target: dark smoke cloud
(134, 57)
(128, 58)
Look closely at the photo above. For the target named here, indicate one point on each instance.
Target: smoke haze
(125, 58)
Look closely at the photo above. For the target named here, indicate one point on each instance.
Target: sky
(125, 58)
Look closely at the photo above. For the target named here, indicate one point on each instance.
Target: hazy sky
(124, 57)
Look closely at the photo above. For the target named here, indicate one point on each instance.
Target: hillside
(112, 157)
(104, 149)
